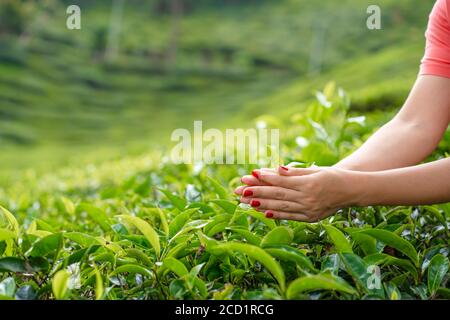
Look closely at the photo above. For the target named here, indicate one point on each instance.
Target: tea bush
(143, 228)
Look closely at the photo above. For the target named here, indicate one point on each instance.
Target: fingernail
(255, 174)
(284, 168)
(248, 193)
(269, 214)
(255, 203)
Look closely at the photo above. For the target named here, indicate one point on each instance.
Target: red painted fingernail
(255, 203)
(248, 193)
(255, 174)
(269, 214)
(284, 168)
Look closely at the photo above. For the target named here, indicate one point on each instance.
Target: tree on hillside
(176, 10)
(25, 18)
(115, 28)
(14, 16)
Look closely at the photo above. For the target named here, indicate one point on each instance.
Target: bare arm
(311, 194)
(381, 172)
(412, 134)
(418, 185)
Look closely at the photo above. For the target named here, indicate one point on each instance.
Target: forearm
(412, 135)
(419, 185)
(397, 144)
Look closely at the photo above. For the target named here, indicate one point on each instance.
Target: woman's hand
(309, 194)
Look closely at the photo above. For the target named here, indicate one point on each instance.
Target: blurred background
(138, 69)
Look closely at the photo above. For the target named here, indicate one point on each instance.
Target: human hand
(302, 194)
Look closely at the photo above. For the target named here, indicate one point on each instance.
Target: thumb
(291, 171)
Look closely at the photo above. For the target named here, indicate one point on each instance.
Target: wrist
(358, 188)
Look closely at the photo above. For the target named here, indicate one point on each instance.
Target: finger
(275, 179)
(239, 190)
(273, 170)
(291, 171)
(286, 216)
(270, 204)
(270, 192)
(252, 181)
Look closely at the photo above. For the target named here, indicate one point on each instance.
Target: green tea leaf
(254, 253)
(133, 269)
(287, 253)
(385, 259)
(179, 221)
(145, 228)
(139, 256)
(178, 202)
(78, 255)
(163, 219)
(82, 239)
(49, 245)
(395, 241)
(19, 265)
(226, 205)
(279, 235)
(437, 270)
(26, 292)
(96, 214)
(6, 234)
(11, 220)
(60, 284)
(249, 236)
(12, 264)
(259, 216)
(36, 264)
(359, 270)
(99, 288)
(32, 230)
(68, 205)
(175, 266)
(8, 287)
(318, 282)
(339, 240)
(221, 192)
(367, 243)
(443, 293)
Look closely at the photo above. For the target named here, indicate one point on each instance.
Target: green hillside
(92, 207)
(64, 99)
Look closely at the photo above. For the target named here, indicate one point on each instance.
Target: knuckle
(284, 206)
(279, 194)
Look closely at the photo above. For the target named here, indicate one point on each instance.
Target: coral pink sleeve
(436, 60)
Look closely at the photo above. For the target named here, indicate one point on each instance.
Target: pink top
(436, 60)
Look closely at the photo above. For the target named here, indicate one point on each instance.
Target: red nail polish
(255, 203)
(255, 174)
(269, 214)
(284, 168)
(248, 193)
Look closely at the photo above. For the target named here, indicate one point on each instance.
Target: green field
(61, 99)
(91, 207)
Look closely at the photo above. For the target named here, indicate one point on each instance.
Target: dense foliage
(143, 228)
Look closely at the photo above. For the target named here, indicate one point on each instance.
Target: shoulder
(438, 28)
(436, 60)
(440, 10)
